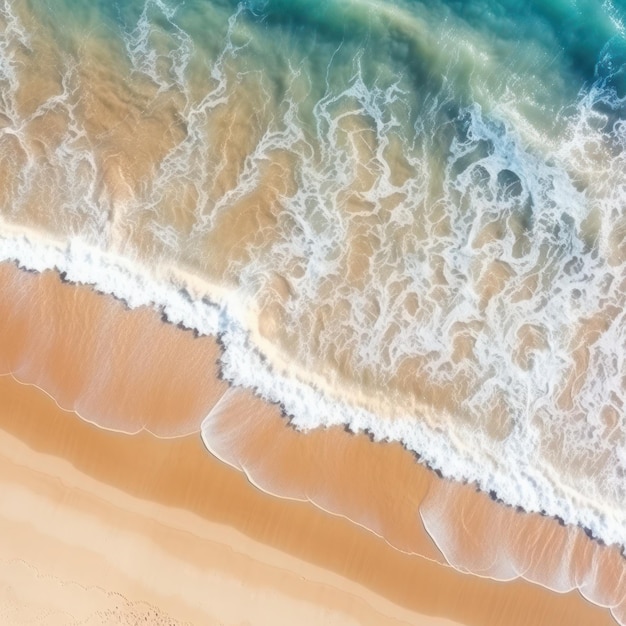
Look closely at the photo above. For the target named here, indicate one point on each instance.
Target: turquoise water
(539, 53)
(405, 217)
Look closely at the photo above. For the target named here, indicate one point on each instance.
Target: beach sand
(100, 526)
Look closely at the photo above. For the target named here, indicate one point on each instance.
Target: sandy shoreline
(84, 533)
(159, 521)
(166, 526)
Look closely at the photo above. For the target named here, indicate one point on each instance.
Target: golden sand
(99, 527)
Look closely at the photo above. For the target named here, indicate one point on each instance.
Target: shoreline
(242, 364)
(403, 573)
(90, 464)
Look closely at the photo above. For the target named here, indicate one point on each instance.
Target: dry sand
(103, 527)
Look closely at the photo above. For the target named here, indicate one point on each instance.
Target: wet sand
(103, 526)
(130, 524)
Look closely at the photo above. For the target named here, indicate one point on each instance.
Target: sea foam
(519, 481)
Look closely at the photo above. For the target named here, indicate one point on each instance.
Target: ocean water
(405, 217)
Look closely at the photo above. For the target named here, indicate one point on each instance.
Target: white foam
(147, 58)
(14, 37)
(458, 453)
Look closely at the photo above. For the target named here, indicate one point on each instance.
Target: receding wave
(406, 218)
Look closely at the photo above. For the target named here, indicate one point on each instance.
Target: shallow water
(403, 217)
